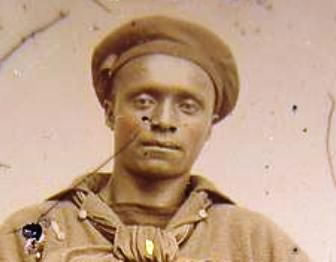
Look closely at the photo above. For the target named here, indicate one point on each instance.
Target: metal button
(82, 214)
(61, 236)
(202, 213)
(149, 244)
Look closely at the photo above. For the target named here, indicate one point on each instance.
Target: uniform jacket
(78, 226)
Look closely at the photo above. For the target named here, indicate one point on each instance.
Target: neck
(124, 187)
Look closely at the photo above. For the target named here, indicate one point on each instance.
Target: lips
(162, 144)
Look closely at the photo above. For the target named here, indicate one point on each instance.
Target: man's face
(167, 102)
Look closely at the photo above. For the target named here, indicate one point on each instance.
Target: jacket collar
(94, 182)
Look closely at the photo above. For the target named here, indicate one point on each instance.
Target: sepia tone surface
(270, 155)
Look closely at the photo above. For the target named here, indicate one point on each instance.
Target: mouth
(164, 145)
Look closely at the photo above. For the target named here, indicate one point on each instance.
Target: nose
(163, 118)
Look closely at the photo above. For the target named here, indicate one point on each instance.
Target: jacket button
(82, 214)
(149, 247)
(202, 213)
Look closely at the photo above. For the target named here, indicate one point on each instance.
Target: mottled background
(270, 155)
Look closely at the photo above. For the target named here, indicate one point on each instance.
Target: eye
(189, 106)
(143, 101)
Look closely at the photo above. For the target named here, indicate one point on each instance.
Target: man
(163, 83)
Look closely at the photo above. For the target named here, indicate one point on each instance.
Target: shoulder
(58, 205)
(255, 230)
(32, 214)
(244, 220)
(23, 216)
(238, 214)
(13, 245)
(239, 218)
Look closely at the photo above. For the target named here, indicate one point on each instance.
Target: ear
(214, 119)
(109, 113)
(209, 133)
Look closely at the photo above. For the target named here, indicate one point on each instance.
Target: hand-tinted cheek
(196, 137)
(125, 129)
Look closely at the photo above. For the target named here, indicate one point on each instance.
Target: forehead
(165, 71)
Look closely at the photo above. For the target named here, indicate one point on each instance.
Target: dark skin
(168, 103)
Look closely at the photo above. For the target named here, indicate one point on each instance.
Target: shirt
(77, 225)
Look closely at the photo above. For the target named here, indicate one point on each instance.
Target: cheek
(126, 128)
(197, 136)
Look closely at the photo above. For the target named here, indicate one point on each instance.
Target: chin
(156, 165)
(157, 171)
